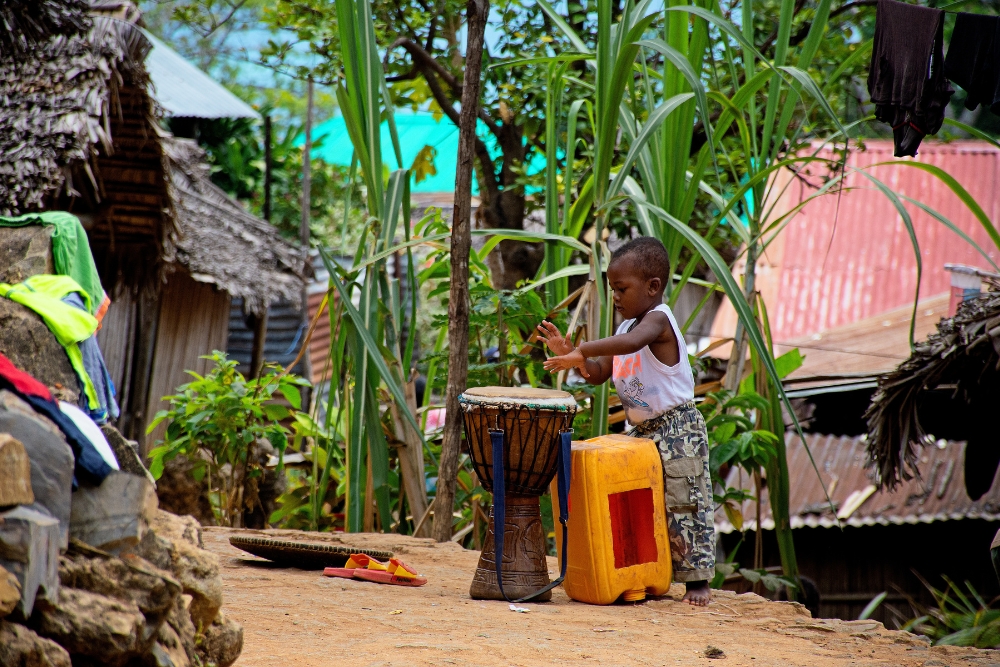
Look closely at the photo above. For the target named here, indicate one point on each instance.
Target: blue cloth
(93, 363)
(90, 465)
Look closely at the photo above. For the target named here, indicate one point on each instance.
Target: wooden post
(461, 241)
(267, 168)
(147, 318)
(258, 323)
(304, 226)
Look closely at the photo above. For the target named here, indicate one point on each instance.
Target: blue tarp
(416, 130)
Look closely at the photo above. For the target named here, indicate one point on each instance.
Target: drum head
(529, 396)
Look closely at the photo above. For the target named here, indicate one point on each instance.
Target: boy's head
(638, 273)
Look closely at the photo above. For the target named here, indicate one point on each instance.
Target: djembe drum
(524, 433)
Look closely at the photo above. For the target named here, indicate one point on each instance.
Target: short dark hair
(648, 256)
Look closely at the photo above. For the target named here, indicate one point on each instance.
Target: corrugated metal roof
(284, 335)
(847, 256)
(940, 496)
(871, 346)
(184, 91)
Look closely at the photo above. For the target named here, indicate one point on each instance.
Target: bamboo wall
(193, 321)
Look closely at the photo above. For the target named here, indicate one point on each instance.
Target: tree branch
(425, 60)
(799, 36)
(482, 153)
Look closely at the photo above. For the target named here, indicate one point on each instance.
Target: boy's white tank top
(646, 386)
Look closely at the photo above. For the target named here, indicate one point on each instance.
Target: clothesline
(950, 8)
(908, 78)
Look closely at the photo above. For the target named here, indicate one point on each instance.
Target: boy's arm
(594, 358)
(651, 328)
(598, 370)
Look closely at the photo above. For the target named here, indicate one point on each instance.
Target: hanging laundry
(70, 325)
(90, 465)
(973, 60)
(97, 370)
(71, 254)
(906, 79)
(89, 429)
(20, 382)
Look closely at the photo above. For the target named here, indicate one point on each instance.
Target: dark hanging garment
(906, 79)
(973, 60)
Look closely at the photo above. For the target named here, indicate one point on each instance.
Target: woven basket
(303, 555)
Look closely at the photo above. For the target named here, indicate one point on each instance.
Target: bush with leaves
(960, 619)
(217, 421)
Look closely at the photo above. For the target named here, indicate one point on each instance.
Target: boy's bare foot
(698, 593)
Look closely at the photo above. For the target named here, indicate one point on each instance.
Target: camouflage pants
(682, 440)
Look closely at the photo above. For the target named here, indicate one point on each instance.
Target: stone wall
(96, 575)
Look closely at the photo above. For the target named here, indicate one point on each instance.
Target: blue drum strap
(499, 504)
(564, 468)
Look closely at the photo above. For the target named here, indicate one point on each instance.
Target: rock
(15, 473)
(106, 630)
(21, 647)
(132, 580)
(172, 543)
(168, 651)
(222, 643)
(115, 514)
(51, 458)
(29, 549)
(25, 252)
(180, 621)
(180, 494)
(10, 592)
(28, 343)
(126, 452)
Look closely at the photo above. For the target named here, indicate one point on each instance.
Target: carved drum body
(530, 421)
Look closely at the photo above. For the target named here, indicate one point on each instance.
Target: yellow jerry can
(618, 544)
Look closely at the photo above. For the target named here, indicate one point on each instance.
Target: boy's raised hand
(549, 334)
(568, 356)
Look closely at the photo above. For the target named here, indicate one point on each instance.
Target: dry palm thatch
(24, 23)
(220, 242)
(60, 103)
(57, 97)
(963, 355)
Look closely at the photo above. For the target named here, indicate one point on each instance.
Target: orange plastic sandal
(397, 573)
(357, 562)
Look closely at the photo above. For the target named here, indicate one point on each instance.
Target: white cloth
(92, 431)
(646, 386)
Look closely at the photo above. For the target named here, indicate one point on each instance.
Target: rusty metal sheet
(939, 496)
(847, 256)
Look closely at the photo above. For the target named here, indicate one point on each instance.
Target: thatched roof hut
(219, 242)
(948, 388)
(79, 132)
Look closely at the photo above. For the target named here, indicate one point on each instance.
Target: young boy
(648, 362)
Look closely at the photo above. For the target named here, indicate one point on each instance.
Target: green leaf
(375, 354)
(786, 364)
(275, 412)
(156, 461)
(872, 606)
(291, 395)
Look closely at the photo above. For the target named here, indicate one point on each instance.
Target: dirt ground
(294, 618)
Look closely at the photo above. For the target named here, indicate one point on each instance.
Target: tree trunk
(458, 300)
(411, 460)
